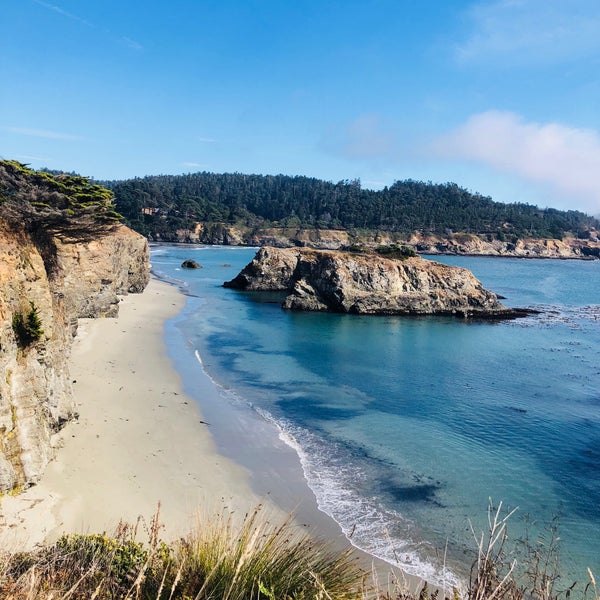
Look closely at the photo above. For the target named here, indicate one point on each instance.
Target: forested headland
(158, 206)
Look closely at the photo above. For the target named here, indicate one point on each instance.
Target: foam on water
(225, 392)
(365, 522)
(184, 286)
(199, 359)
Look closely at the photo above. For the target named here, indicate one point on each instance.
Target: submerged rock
(335, 281)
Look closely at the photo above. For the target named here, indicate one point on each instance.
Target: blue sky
(499, 96)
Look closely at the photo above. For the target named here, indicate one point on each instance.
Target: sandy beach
(139, 439)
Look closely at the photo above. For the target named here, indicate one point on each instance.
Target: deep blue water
(406, 427)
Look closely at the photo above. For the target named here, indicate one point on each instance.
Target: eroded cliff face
(320, 280)
(278, 237)
(472, 245)
(94, 274)
(78, 280)
(333, 239)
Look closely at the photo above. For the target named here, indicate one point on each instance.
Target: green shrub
(259, 560)
(395, 251)
(117, 559)
(62, 205)
(27, 328)
(356, 249)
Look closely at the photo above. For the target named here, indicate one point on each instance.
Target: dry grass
(259, 560)
(219, 560)
(527, 570)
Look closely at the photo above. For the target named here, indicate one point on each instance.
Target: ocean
(408, 429)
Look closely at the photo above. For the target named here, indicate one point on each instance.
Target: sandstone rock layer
(333, 239)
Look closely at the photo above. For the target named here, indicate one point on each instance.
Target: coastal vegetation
(157, 206)
(260, 560)
(61, 205)
(219, 560)
(27, 327)
(395, 251)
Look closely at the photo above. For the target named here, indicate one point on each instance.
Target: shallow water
(406, 427)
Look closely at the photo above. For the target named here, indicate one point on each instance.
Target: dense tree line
(164, 203)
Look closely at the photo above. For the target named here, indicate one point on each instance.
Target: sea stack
(368, 283)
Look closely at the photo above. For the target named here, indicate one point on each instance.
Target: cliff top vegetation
(61, 205)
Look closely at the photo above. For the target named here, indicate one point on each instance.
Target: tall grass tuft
(527, 569)
(219, 560)
(260, 560)
(491, 573)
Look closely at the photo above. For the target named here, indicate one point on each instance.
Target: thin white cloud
(43, 133)
(365, 137)
(193, 165)
(132, 43)
(564, 160)
(206, 140)
(62, 12)
(531, 32)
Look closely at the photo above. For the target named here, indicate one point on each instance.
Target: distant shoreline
(430, 253)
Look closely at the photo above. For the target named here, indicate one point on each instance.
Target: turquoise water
(406, 427)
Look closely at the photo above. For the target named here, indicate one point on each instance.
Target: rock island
(369, 283)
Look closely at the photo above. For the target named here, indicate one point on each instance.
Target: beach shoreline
(141, 441)
(251, 438)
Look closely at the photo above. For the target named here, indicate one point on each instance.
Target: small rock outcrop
(190, 264)
(320, 280)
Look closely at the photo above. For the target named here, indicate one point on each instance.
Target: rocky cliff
(473, 245)
(78, 279)
(239, 235)
(335, 239)
(320, 280)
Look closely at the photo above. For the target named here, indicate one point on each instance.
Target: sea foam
(366, 524)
